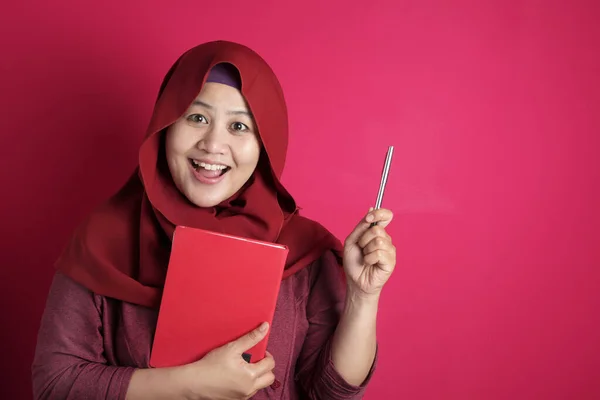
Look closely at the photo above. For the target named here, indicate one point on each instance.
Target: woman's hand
(221, 375)
(369, 255)
(224, 375)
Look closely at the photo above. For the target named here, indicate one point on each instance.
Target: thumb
(251, 339)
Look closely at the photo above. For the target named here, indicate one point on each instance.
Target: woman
(212, 158)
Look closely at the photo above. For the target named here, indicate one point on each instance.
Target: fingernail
(263, 327)
(369, 217)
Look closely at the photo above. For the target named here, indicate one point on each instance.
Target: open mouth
(209, 170)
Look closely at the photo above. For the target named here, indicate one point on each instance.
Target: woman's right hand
(224, 375)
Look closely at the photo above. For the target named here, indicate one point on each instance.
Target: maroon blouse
(89, 345)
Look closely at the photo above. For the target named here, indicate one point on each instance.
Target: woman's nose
(214, 140)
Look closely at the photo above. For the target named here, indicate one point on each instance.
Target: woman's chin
(206, 199)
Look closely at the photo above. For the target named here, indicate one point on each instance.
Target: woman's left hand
(369, 255)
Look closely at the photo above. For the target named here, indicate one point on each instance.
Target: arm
(69, 361)
(369, 260)
(332, 324)
(354, 343)
(160, 383)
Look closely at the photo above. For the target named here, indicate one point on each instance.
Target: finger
(379, 257)
(359, 229)
(263, 366)
(381, 216)
(265, 380)
(378, 243)
(372, 233)
(250, 339)
(251, 395)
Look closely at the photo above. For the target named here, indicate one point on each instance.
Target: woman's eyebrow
(232, 112)
(203, 104)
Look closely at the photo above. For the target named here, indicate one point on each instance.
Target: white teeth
(210, 167)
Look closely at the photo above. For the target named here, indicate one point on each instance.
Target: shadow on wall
(70, 141)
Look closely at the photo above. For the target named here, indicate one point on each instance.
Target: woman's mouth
(208, 173)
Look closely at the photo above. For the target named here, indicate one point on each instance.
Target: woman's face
(213, 149)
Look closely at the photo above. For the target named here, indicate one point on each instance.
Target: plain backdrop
(493, 107)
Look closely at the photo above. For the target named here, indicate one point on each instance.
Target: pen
(384, 176)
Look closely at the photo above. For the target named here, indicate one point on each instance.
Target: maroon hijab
(122, 249)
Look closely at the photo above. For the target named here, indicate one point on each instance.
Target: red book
(218, 288)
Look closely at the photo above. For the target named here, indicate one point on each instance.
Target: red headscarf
(122, 249)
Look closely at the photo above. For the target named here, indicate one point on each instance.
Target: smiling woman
(212, 159)
(213, 149)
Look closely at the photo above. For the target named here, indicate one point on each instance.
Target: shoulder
(327, 272)
(306, 224)
(302, 232)
(66, 293)
(67, 287)
(105, 238)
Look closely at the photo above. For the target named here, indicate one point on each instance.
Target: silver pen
(384, 177)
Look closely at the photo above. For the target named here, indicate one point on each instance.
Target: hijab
(121, 250)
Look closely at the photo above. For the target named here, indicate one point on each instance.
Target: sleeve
(316, 373)
(69, 361)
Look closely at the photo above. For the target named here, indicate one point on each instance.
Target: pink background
(493, 107)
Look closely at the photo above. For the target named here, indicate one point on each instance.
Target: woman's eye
(238, 126)
(197, 118)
